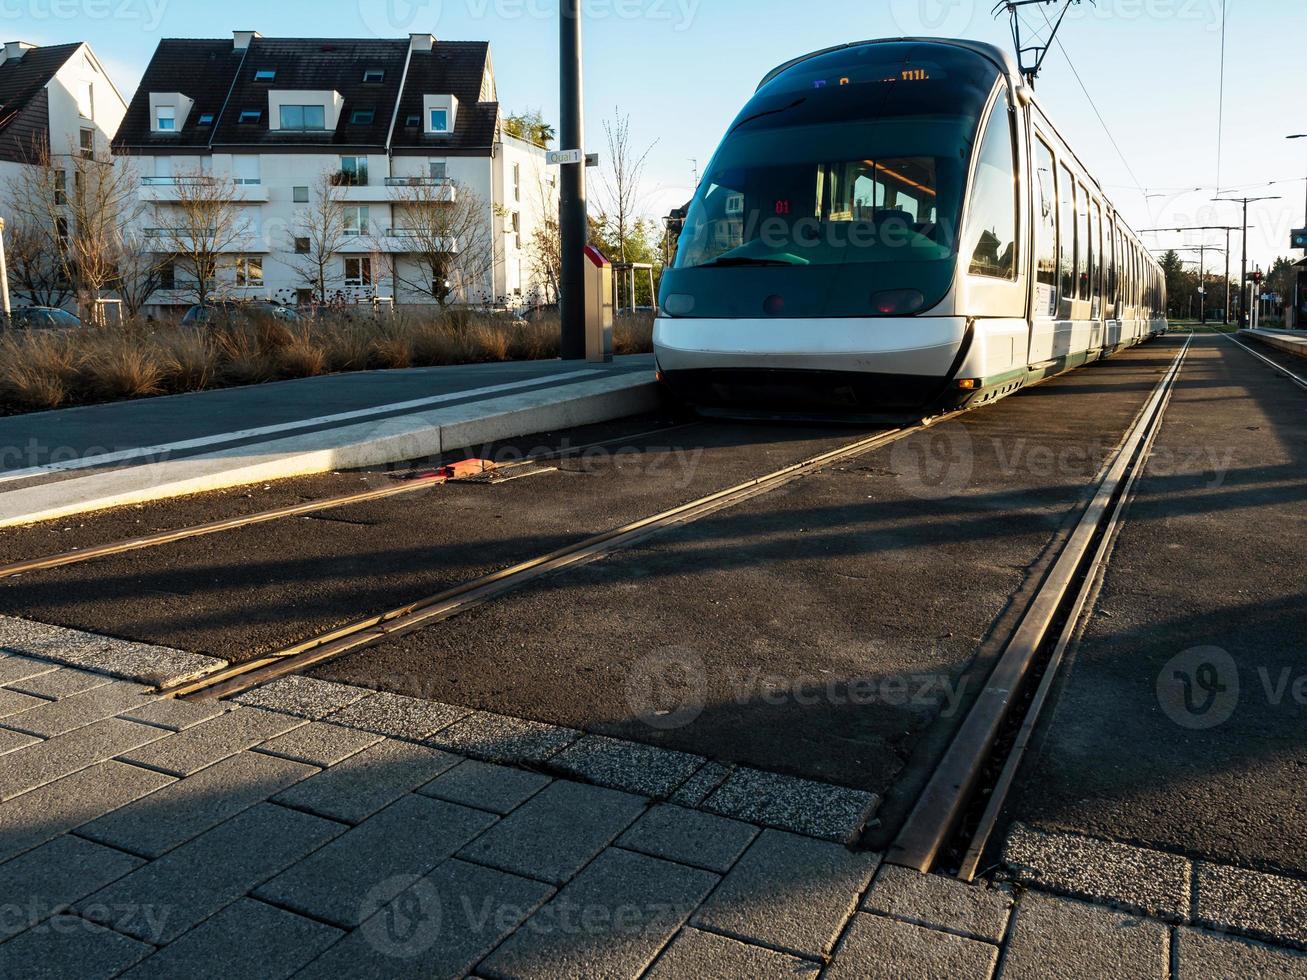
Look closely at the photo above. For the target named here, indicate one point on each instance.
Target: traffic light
(1299, 238)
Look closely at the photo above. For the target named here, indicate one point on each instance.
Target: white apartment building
(389, 122)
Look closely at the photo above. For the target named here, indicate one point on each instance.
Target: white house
(390, 121)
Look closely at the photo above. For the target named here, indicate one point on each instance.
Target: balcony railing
(179, 232)
(350, 178)
(176, 181)
(417, 181)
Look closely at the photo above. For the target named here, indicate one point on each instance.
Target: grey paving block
(702, 784)
(45, 813)
(319, 744)
(247, 940)
(944, 903)
(789, 892)
(61, 683)
(630, 766)
(15, 668)
(140, 662)
(68, 946)
(15, 702)
(552, 835)
(13, 741)
(307, 697)
(1053, 938)
(440, 926)
(498, 738)
(398, 716)
(1253, 902)
(364, 783)
(379, 858)
(1147, 881)
(155, 824)
(693, 837)
(821, 810)
(54, 875)
(610, 921)
(695, 953)
(1203, 956)
(499, 789)
(175, 714)
(210, 872)
(47, 761)
(190, 751)
(875, 948)
(79, 710)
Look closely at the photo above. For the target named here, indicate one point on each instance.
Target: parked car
(43, 318)
(229, 310)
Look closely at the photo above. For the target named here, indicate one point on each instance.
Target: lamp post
(1297, 300)
(574, 232)
(1243, 271)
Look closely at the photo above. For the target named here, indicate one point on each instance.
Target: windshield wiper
(769, 112)
(744, 260)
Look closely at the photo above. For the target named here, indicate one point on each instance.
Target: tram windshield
(843, 176)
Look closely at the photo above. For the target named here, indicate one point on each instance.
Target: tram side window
(1096, 273)
(1083, 242)
(992, 223)
(1067, 222)
(1115, 290)
(1046, 242)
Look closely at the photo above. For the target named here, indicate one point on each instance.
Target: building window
(79, 189)
(302, 246)
(245, 169)
(440, 120)
(86, 100)
(354, 171)
(60, 187)
(304, 297)
(356, 221)
(61, 229)
(362, 117)
(358, 272)
(299, 195)
(304, 118)
(517, 182)
(374, 75)
(249, 270)
(206, 119)
(87, 142)
(248, 116)
(517, 228)
(413, 121)
(265, 75)
(165, 118)
(168, 276)
(439, 170)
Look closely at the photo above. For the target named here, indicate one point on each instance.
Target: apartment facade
(386, 129)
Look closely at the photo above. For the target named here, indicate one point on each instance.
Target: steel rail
(1296, 379)
(443, 605)
(935, 816)
(412, 485)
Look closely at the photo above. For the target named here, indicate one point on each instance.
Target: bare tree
(621, 179)
(36, 269)
(545, 245)
(140, 270)
(317, 236)
(205, 223)
(448, 246)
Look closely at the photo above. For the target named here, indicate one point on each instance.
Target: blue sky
(683, 68)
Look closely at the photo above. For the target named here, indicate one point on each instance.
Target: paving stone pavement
(312, 831)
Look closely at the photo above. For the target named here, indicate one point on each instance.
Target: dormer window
(304, 118)
(440, 120)
(439, 114)
(374, 75)
(265, 75)
(413, 121)
(206, 119)
(362, 117)
(165, 119)
(249, 116)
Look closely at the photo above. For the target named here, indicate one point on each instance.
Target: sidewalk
(316, 829)
(82, 459)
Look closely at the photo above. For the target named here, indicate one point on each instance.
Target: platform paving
(328, 850)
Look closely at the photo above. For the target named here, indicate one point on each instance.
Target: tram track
(950, 825)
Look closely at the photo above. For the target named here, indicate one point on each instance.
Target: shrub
(188, 358)
(123, 372)
(302, 355)
(37, 370)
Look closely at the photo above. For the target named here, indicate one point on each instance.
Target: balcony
(389, 241)
(164, 190)
(395, 190)
(167, 239)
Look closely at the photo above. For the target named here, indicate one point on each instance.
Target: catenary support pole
(572, 221)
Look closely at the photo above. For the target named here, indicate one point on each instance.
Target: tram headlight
(679, 304)
(898, 301)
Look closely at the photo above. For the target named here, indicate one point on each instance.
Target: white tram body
(892, 229)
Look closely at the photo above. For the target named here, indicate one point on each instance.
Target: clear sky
(683, 68)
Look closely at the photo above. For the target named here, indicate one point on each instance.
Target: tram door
(1044, 325)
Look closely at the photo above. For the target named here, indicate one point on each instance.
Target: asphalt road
(1205, 588)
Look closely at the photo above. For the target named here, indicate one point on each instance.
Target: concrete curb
(370, 443)
(1291, 343)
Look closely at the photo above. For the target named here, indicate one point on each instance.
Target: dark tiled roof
(451, 67)
(326, 64)
(201, 70)
(214, 75)
(23, 80)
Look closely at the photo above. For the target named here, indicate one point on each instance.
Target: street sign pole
(573, 226)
